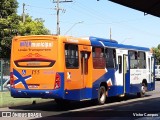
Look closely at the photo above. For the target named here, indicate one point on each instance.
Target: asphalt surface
(126, 108)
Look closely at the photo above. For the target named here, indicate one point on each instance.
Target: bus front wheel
(102, 95)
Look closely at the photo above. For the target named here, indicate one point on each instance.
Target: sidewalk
(7, 101)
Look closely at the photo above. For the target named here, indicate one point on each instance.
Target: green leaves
(32, 27)
(8, 7)
(11, 24)
(156, 51)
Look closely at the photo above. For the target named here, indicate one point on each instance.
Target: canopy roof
(147, 6)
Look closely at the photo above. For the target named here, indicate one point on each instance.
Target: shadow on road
(127, 111)
(121, 108)
(52, 106)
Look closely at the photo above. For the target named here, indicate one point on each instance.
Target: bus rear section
(33, 65)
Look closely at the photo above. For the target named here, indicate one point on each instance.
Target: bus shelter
(147, 6)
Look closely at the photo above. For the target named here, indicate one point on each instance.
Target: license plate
(33, 86)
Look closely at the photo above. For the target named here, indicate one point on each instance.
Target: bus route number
(35, 72)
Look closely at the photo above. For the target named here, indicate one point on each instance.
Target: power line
(31, 6)
(40, 13)
(39, 7)
(90, 11)
(58, 9)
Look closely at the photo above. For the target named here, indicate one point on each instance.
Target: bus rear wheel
(143, 90)
(101, 95)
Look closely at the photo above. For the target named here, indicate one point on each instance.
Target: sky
(84, 18)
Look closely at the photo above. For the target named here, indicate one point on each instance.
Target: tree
(32, 27)
(158, 47)
(156, 51)
(11, 24)
(8, 7)
(7, 31)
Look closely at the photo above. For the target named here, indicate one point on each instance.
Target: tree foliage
(32, 27)
(11, 24)
(156, 51)
(8, 7)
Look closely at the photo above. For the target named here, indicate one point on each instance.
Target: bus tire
(101, 95)
(143, 90)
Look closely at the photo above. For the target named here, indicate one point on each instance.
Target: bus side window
(120, 64)
(71, 56)
(98, 58)
(142, 60)
(133, 59)
(110, 55)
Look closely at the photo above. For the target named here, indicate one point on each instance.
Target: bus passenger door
(126, 74)
(152, 73)
(84, 73)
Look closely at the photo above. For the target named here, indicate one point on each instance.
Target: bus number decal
(35, 72)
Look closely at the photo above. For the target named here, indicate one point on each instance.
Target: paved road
(129, 107)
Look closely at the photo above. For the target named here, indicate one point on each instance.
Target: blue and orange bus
(69, 68)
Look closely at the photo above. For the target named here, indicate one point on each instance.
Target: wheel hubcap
(102, 96)
(143, 89)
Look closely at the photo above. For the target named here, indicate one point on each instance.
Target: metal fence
(4, 74)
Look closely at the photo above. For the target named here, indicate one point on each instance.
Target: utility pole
(110, 34)
(58, 9)
(23, 14)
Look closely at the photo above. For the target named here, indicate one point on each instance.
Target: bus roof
(112, 43)
(102, 39)
(95, 41)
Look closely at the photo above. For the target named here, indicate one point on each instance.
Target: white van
(157, 72)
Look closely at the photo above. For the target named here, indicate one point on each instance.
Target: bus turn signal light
(12, 80)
